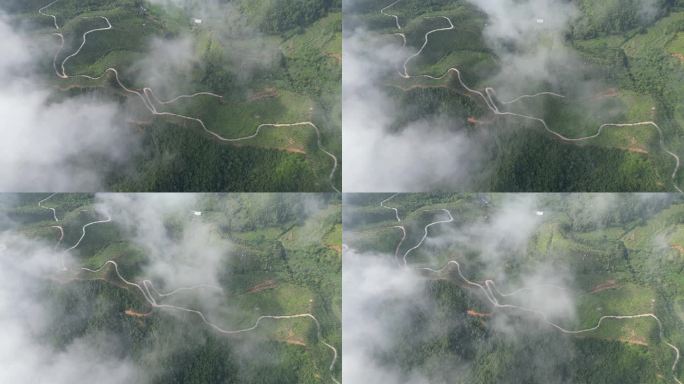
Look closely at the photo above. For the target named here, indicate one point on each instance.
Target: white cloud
(376, 295)
(25, 323)
(423, 155)
(167, 65)
(190, 254)
(48, 143)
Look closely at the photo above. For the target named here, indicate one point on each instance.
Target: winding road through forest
(58, 227)
(151, 295)
(487, 97)
(150, 100)
(492, 293)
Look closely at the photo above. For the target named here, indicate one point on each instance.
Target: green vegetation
(613, 16)
(283, 257)
(273, 62)
(624, 65)
(620, 255)
(530, 161)
(177, 158)
(281, 16)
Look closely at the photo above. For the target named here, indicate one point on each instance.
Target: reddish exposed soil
(268, 284)
(678, 247)
(292, 340)
(295, 150)
(474, 313)
(610, 284)
(335, 247)
(133, 313)
(268, 92)
(634, 339)
(610, 92)
(634, 147)
(336, 56)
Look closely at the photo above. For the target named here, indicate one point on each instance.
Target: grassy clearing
(676, 45)
(626, 299)
(658, 36)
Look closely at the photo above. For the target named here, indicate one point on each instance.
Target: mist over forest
(535, 288)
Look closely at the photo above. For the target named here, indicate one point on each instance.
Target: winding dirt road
(425, 233)
(396, 18)
(396, 211)
(147, 288)
(150, 100)
(150, 294)
(487, 97)
(83, 232)
(58, 227)
(54, 212)
(492, 293)
(491, 297)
